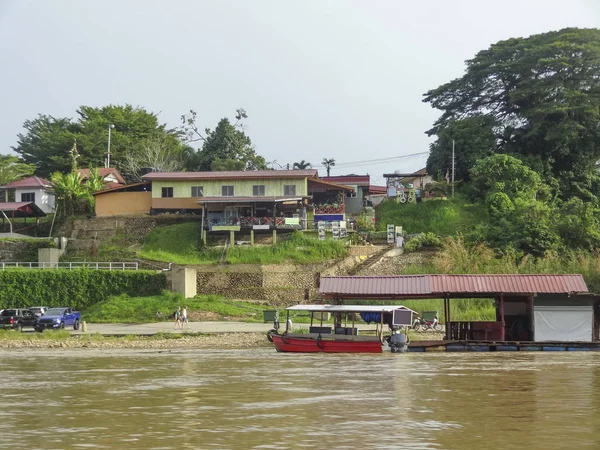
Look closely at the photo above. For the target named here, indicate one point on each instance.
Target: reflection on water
(267, 400)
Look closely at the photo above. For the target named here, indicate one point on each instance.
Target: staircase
(370, 261)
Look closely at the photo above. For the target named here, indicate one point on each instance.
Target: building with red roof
(31, 189)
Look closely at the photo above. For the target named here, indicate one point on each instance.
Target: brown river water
(260, 399)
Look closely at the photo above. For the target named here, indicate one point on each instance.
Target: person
(177, 315)
(184, 318)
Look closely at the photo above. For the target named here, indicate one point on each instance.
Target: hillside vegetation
(181, 244)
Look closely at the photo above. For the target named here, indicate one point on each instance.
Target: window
(258, 190)
(28, 197)
(197, 191)
(227, 191)
(289, 189)
(167, 192)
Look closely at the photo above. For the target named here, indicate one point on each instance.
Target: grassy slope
(181, 244)
(442, 217)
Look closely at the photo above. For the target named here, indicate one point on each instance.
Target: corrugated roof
(329, 184)
(22, 209)
(230, 174)
(362, 180)
(440, 285)
(263, 199)
(33, 181)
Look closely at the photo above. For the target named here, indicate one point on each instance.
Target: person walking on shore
(177, 315)
(184, 318)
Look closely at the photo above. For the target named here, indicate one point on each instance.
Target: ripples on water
(266, 400)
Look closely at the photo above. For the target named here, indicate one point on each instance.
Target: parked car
(38, 310)
(17, 319)
(58, 318)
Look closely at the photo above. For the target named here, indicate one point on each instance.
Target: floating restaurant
(533, 312)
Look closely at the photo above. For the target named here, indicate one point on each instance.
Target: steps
(370, 261)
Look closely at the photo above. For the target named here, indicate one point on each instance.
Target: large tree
(542, 93)
(47, 140)
(226, 146)
(11, 169)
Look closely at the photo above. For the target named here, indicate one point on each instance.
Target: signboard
(390, 234)
(398, 232)
(335, 230)
(321, 228)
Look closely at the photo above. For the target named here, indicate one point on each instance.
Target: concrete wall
(123, 203)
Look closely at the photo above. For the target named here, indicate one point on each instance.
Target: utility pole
(452, 167)
(110, 127)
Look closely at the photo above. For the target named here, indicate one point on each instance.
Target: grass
(125, 309)
(12, 335)
(181, 244)
(442, 217)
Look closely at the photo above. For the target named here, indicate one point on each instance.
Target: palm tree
(328, 163)
(302, 165)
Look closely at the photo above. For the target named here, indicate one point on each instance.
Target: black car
(17, 319)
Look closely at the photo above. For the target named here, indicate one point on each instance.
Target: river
(260, 399)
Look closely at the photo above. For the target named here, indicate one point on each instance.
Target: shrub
(80, 288)
(423, 240)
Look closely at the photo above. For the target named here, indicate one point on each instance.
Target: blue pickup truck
(58, 318)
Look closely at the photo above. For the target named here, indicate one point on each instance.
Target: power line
(369, 162)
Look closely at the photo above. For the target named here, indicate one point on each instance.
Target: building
(417, 180)
(356, 199)
(112, 177)
(125, 200)
(249, 199)
(31, 189)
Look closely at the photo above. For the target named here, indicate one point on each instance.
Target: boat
(343, 338)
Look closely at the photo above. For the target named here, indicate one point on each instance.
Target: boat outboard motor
(398, 342)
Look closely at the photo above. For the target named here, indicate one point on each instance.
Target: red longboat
(342, 339)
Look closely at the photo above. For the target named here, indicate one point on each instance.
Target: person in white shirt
(184, 318)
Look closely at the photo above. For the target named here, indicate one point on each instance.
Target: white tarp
(563, 323)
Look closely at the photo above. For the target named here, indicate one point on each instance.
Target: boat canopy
(348, 308)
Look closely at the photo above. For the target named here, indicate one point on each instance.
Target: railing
(70, 265)
(251, 221)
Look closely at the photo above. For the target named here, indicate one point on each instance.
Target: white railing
(70, 265)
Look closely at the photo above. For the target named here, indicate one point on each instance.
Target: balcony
(249, 222)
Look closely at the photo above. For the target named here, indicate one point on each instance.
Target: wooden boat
(344, 339)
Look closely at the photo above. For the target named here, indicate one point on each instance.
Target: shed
(549, 307)
(124, 200)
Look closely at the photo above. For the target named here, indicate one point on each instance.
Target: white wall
(43, 199)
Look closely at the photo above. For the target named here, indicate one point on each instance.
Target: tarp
(563, 323)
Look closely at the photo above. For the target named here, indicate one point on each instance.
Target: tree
(157, 153)
(328, 163)
(72, 196)
(542, 95)
(11, 169)
(227, 142)
(473, 139)
(228, 164)
(302, 165)
(47, 140)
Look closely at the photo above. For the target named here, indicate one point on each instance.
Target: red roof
(33, 181)
(359, 180)
(103, 172)
(377, 189)
(22, 209)
(440, 285)
(230, 174)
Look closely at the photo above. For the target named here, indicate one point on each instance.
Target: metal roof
(22, 209)
(257, 199)
(442, 285)
(29, 182)
(228, 175)
(359, 180)
(347, 308)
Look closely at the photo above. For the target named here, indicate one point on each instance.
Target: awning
(21, 209)
(347, 308)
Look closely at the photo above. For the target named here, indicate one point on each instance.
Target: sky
(341, 79)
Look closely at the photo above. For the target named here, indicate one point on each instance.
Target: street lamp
(110, 127)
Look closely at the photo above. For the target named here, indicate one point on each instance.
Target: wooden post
(274, 236)
(502, 324)
(251, 237)
(231, 237)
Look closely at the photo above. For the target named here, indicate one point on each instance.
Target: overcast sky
(339, 79)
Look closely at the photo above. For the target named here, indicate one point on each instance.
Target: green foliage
(473, 139)
(302, 165)
(542, 94)
(47, 140)
(11, 169)
(181, 244)
(128, 309)
(227, 147)
(442, 217)
(423, 240)
(75, 288)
